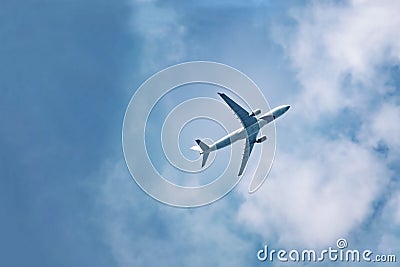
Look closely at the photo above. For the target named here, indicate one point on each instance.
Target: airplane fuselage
(253, 129)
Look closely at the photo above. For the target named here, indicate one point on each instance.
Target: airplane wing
(246, 121)
(247, 151)
(240, 112)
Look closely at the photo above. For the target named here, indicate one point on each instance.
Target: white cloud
(318, 190)
(143, 232)
(388, 234)
(312, 198)
(161, 32)
(363, 36)
(334, 42)
(383, 126)
(322, 189)
(396, 207)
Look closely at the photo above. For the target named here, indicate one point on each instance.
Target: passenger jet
(249, 131)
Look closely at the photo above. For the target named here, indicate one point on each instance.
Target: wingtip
(197, 141)
(221, 94)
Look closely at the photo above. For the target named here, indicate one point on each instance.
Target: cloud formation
(141, 231)
(339, 50)
(334, 174)
(325, 185)
(161, 34)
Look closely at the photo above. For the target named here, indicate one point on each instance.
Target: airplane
(249, 131)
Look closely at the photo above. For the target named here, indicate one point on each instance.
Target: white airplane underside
(249, 131)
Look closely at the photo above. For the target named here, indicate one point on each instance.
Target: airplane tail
(203, 149)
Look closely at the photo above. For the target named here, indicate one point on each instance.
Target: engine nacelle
(261, 139)
(255, 112)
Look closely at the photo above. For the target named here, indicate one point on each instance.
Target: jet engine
(255, 112)
(262, 139)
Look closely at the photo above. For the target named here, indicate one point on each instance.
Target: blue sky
(69, 69)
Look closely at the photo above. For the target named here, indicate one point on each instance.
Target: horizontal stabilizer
(203, 149)
(202, 145)
(196, 148)
(205, 157)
